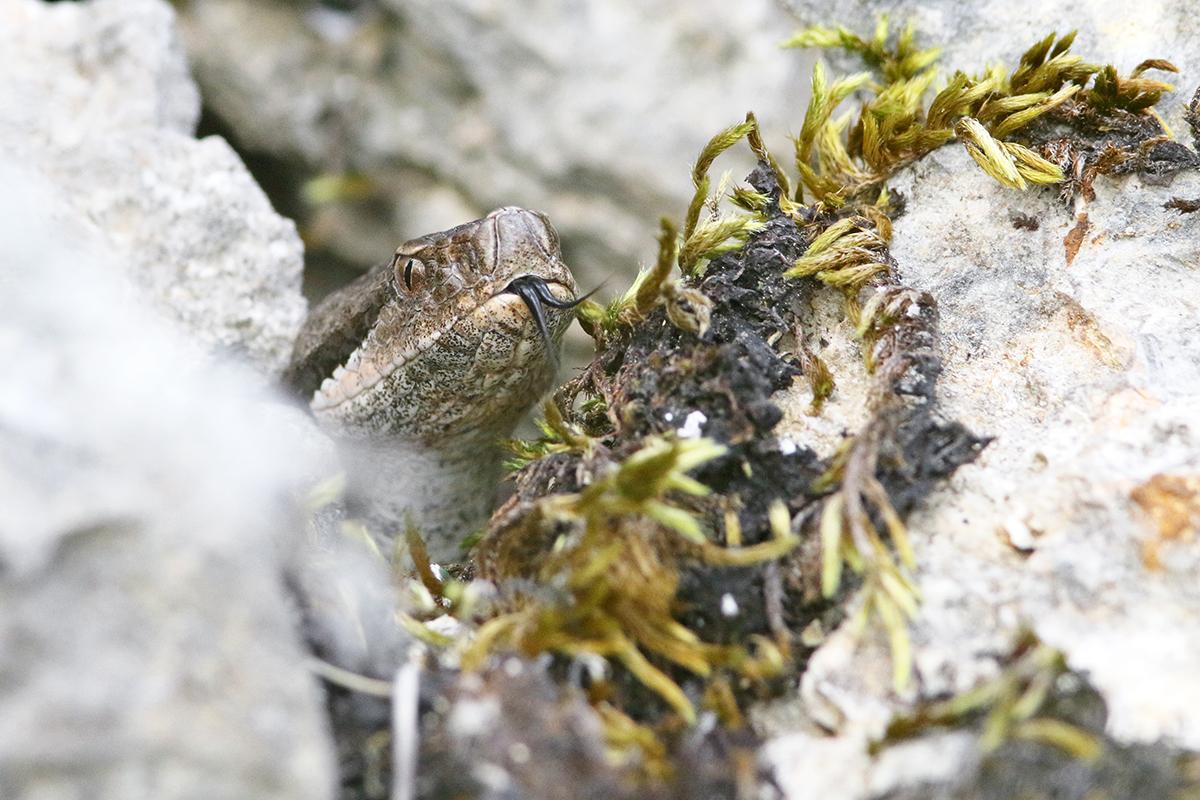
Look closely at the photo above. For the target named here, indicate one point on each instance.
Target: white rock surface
(98, 98)
(147, 645)
(1087, 375)
(1087, 372)
(591, 112)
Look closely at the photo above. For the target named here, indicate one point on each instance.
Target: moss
(1037, 123)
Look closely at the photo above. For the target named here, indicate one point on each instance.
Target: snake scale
(422, 365)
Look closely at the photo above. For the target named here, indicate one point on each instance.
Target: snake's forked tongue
(535, 293)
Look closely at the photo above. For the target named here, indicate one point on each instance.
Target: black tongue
(535, 293)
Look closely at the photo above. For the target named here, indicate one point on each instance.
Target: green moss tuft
(846, 164)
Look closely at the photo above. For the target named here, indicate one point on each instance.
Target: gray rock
(590, 112)
(1086, 369)
(148, 646)
(98, 98)
(810, 765)
(1086, 373)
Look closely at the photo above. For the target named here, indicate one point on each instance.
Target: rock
(1084, 363)
(101, 102)
(148, 645)
(809, 765)
(513, 732)
(1078, 348)
(838, 768)
(1088, 373)
(589, 112)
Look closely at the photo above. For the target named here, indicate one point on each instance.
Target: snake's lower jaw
(515, 365)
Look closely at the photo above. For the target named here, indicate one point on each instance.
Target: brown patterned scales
(420, 366)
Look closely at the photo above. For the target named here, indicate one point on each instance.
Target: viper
(421, 367)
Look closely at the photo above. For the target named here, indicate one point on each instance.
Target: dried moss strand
(420, 557)
(1075, 742)
(1031, 166)
(654, 679)
(831, 545)
(717, 145)
(710, 235)
(746, 556)
(1017, 120)
(649, 290)
(897, 629)
(988, 153)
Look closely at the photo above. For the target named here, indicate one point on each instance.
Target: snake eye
(413, 273)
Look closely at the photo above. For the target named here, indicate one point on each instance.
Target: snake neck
(447, 494)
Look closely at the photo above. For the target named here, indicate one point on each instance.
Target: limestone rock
(99, 99)
(1083, 361)
(1084, 364)
(1087, 371)
(148, 646)
(1087, 375)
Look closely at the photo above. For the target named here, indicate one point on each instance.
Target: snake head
(454, 338)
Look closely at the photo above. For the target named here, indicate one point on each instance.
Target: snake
(423, 365)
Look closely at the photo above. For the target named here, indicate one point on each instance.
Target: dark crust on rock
(662, 374)
(335, 329)
(1183, 206)
(655, 375)
(1109, 141)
